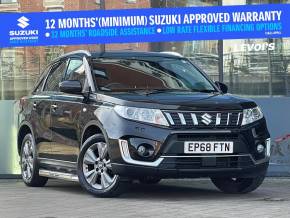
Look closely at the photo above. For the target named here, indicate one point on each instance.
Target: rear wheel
(29, 164)
(238, 185)
(95, 169)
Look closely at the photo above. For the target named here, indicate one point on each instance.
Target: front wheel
(238, 185)
(95, 169)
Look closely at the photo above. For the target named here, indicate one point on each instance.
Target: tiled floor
(171, 198)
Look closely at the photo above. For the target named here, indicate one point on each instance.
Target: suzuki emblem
(206, 118)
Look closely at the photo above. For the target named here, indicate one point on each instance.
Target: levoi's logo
(23, 22)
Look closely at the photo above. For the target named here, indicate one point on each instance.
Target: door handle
(54, 107)
(34, 105)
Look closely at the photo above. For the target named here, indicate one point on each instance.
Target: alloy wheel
(27, 160)
(97, 168)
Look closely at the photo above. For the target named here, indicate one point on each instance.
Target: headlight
(251, 115)
(146, 115)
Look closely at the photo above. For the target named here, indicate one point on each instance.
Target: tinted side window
(75, 71)
(53, 80)
(39, 84)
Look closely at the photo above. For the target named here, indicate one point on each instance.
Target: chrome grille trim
(181, 117)
(194, 119)
(169, 118)
(228, 120)
(218, 119)
(204, 119)
(239, 118)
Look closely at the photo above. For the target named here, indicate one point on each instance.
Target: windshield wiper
(204, 90)
(157, 91)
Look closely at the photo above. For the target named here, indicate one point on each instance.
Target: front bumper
(169, 160)
(192, 166)
(164, 171)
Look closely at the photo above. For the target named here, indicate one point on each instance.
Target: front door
(65, 116)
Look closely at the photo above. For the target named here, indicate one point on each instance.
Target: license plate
(199, 147)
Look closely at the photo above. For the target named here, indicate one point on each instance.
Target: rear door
(65, 116)
(40, 117)
(41, 110)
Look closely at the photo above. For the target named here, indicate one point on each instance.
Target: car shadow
(166, 190)
(64, 186)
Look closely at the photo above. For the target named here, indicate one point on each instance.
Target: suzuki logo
(23, 22)
(206, 119)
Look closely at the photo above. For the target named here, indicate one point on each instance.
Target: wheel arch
(92, 128)
(24, 129)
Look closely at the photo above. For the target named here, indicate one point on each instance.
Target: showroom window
(20, 67)
(131, 1)
(204, 53)
(7, 71)
(247, 71)
(257, 67)
(7, 1)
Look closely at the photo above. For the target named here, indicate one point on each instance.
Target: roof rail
(79, 52)
(87, 53)
(172, 53)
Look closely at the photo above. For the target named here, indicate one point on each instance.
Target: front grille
(222, 120)
(230, 162)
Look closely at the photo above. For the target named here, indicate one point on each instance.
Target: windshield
(162, 74)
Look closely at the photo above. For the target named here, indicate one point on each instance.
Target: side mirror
(223, 87)
(71, 87)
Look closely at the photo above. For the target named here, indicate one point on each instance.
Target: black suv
(105, 119)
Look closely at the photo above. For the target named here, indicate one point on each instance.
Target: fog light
(145, 150)
(260, 148)
(141, 150)
(127, 158)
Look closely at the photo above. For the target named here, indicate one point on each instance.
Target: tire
(238, 185)
(29, 163)
(149, 180)
(95, 170)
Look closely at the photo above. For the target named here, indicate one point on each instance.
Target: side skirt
(57, 163)
(58, 175)
(58, 169)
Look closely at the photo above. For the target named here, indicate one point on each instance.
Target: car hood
(179, 100)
